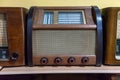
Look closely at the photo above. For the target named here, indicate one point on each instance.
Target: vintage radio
(112, 35)
(12, 36)
(64, 36)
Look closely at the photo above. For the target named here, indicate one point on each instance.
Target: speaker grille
(75, 42)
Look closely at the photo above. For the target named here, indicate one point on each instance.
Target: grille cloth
(64, 42)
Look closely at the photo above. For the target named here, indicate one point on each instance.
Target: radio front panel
(112, 33)
(69, 43)
(62, 36)
(12, 36)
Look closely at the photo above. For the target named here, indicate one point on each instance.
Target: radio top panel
(52, 17)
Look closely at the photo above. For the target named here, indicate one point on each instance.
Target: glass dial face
(70, 18)
(117, 56)
(64, 17)
(3, 38)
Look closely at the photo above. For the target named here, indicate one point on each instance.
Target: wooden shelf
(59, 69)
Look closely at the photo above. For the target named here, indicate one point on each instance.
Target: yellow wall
(28, 3)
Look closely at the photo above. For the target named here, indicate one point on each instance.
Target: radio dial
(71, 60)
(84, 59)
(14, 57)
(44, 60)
(58, 60)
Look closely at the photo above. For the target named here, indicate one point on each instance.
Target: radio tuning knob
(71, 60)
(84, 59)
(58, 60)
(44, 60)
(14, 57)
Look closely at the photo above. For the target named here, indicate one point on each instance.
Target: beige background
(29, 3)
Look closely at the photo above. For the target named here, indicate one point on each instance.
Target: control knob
(71, 60)
(14, 56)
(84, 59)
(44, 60)
(58, 60)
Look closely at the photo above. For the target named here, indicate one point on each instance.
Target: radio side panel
(15, 18)
(110, 35)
